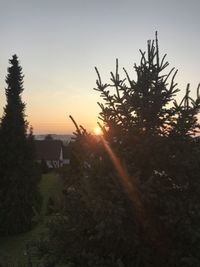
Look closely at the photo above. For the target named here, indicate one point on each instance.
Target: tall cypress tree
(19, 195)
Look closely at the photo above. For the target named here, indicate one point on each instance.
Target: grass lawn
(12, 248)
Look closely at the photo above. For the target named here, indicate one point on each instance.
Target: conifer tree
(134, 198)
(19, 197)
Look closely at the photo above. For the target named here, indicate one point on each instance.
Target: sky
(59, 42)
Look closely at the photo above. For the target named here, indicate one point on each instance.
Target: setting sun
(97, 131)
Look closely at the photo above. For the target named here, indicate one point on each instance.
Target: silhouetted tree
(48, 137)
(133, 200)
(153, 135)
(19, 177)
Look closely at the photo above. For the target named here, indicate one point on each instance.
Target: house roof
(48, 149)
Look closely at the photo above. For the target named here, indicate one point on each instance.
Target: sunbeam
(152, 230)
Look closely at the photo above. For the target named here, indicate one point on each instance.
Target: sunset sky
(59, 42)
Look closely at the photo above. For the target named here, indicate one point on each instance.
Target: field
(13, 249)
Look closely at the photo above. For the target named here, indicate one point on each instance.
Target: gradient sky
(59, 42)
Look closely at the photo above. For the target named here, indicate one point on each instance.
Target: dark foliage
(44, 167)
(132, 197)
(19, 176)
(48, 137)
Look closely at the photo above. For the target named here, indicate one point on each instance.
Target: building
(50, 151)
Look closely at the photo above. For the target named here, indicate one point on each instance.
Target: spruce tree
(132, 198)
(19, 197)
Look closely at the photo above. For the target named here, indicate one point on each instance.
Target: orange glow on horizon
(58, 126)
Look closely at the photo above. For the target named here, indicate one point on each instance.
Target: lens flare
(97, 131)
(152, 229)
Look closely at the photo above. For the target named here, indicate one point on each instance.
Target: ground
(13, 249)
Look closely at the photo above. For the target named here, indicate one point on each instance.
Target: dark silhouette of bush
(44, 167)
